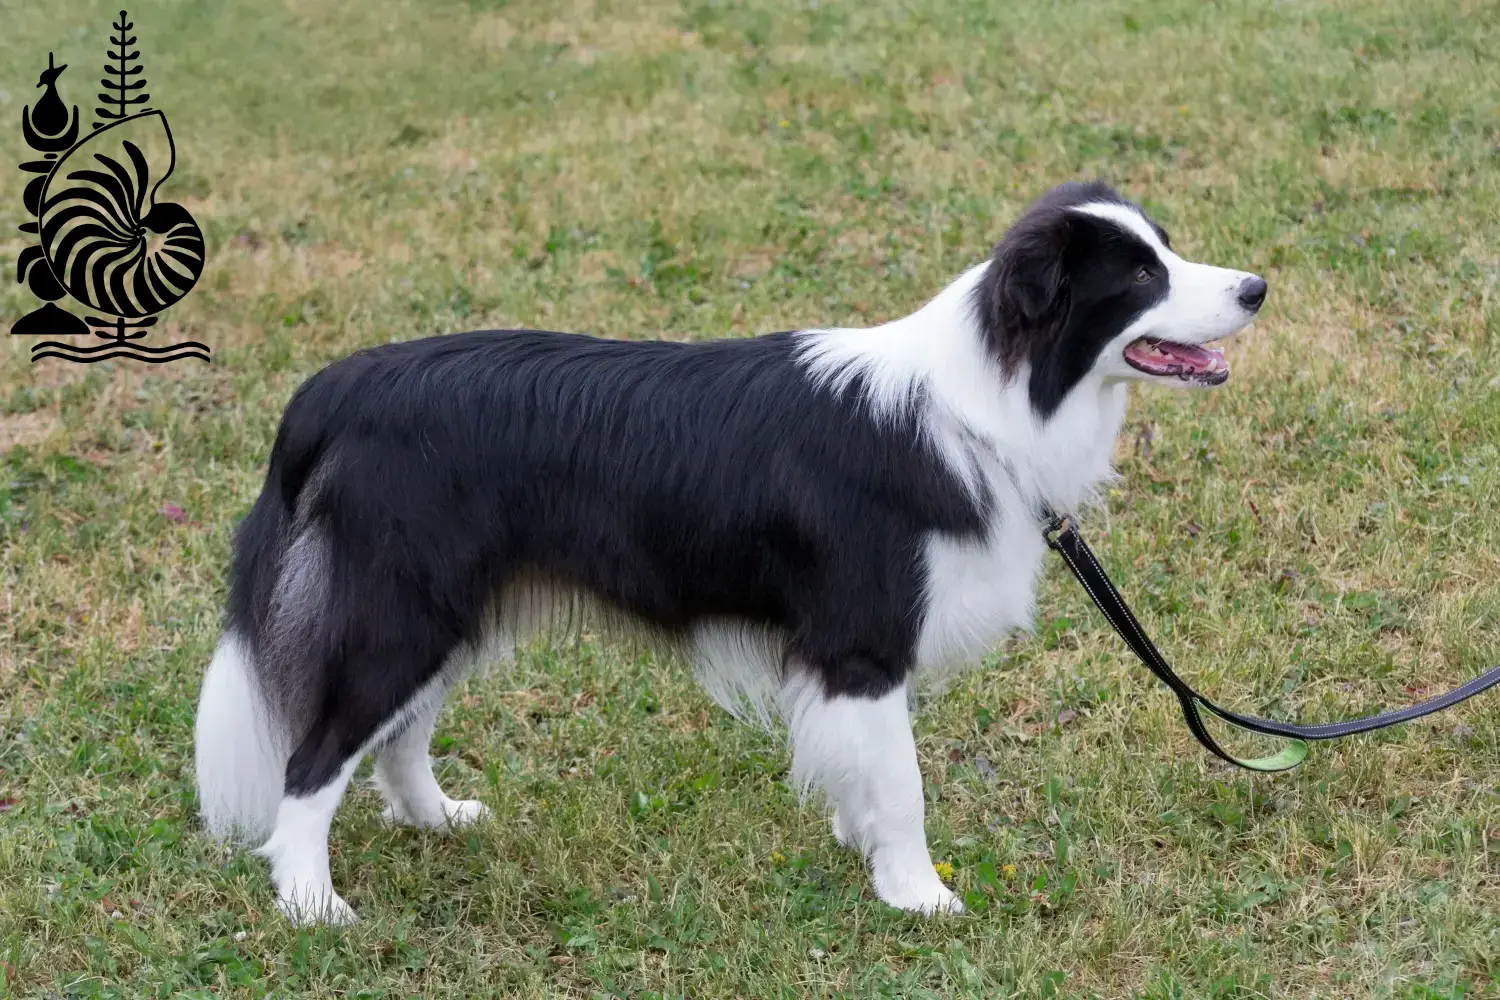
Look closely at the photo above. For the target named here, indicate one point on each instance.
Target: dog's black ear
(1024, 293)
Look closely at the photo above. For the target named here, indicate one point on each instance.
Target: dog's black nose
(1252, 293)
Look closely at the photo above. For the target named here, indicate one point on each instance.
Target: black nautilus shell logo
(103, 238)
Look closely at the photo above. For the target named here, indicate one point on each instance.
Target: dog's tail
(240, 747)
(248, 711)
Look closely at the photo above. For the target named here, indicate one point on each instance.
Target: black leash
(1062, 535)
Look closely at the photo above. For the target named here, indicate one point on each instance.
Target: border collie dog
(815, 519)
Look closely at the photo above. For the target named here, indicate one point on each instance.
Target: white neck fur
(934, 364)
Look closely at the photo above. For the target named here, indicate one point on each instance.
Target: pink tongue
(1190, 354)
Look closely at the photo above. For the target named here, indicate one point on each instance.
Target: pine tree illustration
(125, 66)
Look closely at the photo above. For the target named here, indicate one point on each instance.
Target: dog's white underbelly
(978, 592)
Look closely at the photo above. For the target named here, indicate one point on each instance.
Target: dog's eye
(1144, 275)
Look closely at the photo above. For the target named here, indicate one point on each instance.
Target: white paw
(447, 813)
(462, 812)
(310, 904)
(905, 879)
(927, 899)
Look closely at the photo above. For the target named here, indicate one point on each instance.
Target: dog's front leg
(860, 753)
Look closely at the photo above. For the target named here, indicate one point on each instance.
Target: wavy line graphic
(142, 348)
(136, 352)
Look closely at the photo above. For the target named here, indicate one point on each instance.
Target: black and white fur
(816, 518)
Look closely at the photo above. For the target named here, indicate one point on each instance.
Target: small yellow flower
(1008, 870)
(777, 857)
(784, 123)
(944, 871)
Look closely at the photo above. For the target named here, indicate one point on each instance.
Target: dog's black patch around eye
(1062, 285)
(1103, 263)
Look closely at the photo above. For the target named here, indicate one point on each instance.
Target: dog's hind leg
(860, 753)
(360, 707)
(298, 852)
(403, 773)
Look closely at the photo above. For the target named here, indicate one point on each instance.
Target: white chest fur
(978, 591)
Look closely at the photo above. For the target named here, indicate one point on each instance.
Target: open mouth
(1188, 362)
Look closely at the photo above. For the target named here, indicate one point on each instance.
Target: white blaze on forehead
(1131, 220)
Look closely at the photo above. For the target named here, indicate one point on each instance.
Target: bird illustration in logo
(103, 239)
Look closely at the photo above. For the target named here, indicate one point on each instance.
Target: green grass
(1318, 538)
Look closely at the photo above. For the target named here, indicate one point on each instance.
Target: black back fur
(411, 482)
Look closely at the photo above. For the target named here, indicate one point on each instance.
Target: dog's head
(1086, 286)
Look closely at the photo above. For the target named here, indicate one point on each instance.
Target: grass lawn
(1318, 538)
